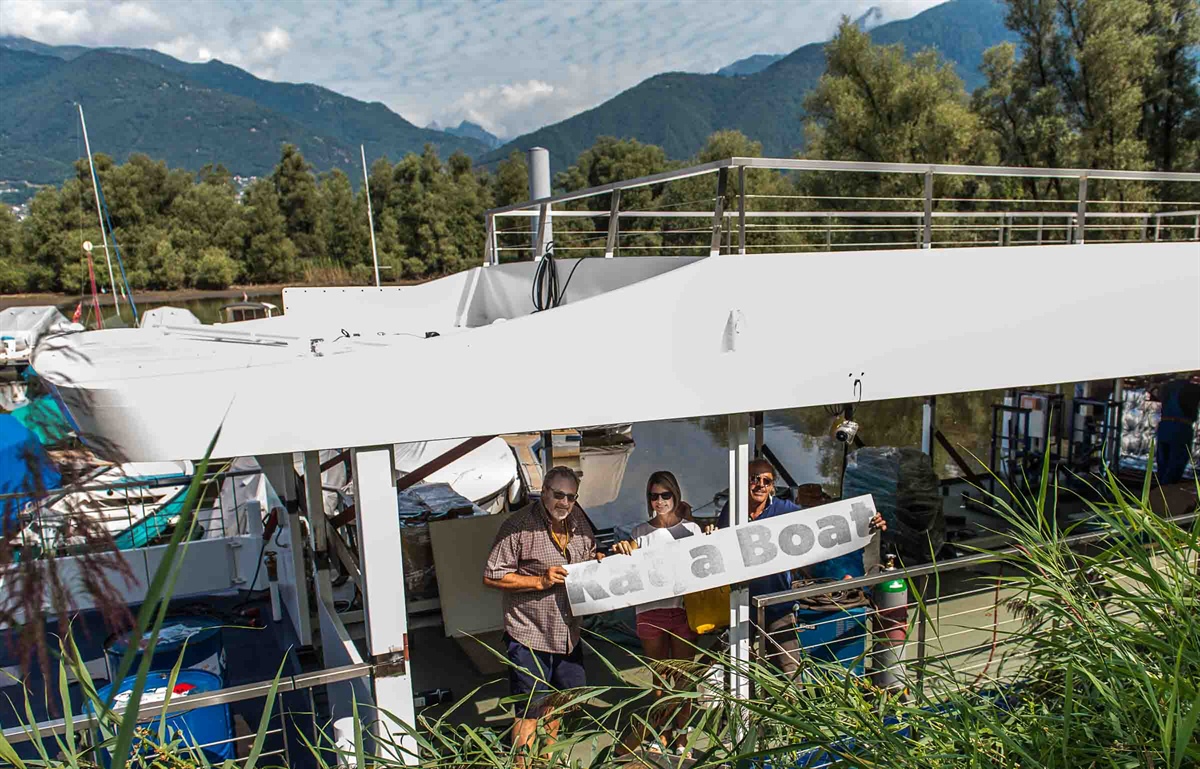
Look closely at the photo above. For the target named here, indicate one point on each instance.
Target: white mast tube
(99, 214)
(370, 217)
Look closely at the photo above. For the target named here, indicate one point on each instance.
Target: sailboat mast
(370, 216)
(99, 215)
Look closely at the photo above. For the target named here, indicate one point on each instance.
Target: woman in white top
(663, 626)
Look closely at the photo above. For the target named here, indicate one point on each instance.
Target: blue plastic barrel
(209, 729)
(202, 635)
(834, 636)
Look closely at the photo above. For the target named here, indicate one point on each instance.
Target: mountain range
(679, 111)
(139, 100)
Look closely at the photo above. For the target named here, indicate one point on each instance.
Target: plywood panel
(460, 550)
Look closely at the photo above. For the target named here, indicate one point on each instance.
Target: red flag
(78, 313)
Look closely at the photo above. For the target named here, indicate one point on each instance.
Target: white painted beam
(382, 564)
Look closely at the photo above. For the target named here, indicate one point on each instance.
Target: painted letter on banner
(737, 554)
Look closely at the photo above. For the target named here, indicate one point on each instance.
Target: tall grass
(1102, 670)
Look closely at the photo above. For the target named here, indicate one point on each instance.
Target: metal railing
(927, 225)
(949, 617)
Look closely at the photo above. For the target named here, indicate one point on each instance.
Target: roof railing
(719, 237)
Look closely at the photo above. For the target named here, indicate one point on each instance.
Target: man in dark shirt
(783, 645)
(1180, 400)
(527, 562)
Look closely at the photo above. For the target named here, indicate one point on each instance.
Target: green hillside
(187, 114)
(679, 111)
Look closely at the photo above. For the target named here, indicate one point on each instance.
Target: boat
(444, 361)
(235, 312)
(21, 328)
(168, 316)
(487, 475)
(134, 503)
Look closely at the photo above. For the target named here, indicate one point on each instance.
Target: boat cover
(25, 470)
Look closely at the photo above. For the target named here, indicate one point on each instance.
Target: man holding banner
(783, 644)
(528, 562)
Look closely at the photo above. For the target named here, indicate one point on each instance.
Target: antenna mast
(370, 217)
(103, 232)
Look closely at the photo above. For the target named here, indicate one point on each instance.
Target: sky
(510, 66)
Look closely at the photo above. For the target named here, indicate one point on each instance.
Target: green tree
(1171, 114)
(610, 160)
(345, 229)
(14, 273)
(511, 182)
(269, 255)
(215, 269)
(298, 200)
(874, 104)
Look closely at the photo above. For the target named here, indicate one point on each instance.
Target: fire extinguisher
(890, 629)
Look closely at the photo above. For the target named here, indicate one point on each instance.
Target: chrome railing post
(1081, 212)
(922, 613)
(741, 210)
(719, 211)
(489, 243)
(543, 220)
(614, 219)
(927, 229)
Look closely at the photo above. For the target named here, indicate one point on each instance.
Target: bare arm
(521, 583)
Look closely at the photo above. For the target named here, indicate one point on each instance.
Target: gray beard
(559, 516)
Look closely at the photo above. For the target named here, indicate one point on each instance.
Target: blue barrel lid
(173, 633)
(186, 683)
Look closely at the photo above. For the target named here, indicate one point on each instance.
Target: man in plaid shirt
(527, 562)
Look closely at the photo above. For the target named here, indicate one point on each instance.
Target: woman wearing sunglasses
(662, 626)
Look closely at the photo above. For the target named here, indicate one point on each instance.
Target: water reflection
(695, 450)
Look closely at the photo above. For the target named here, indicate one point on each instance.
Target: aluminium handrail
(932, 569)
(786, 164)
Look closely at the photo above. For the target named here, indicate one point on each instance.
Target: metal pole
(741, 209)
(99, 214)
(927, 236)
(739, 513)
(1081, 214)
(614, 225)
(489, 247)
(370, 216)
(538, 159)
(1157, 226)
(718, 211)
(543, 225)
(928, 425)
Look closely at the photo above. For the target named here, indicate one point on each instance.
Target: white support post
(739, 513)
(928, 425)
(384, 606)
(293, 576)
(314, 499)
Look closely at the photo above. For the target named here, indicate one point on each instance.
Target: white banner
(724, 557)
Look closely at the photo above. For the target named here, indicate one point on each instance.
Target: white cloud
(86, 23)
(493, 106)
(509, 66)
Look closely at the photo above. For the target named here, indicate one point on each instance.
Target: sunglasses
(762, 480)
(561, 495)
(665, 495)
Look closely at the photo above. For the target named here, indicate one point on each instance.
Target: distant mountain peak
(750, 65)
(468, 130)
(870, 19)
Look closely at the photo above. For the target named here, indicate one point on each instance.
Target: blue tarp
(25, 469)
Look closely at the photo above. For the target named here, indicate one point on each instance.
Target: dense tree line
(1092, 83)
